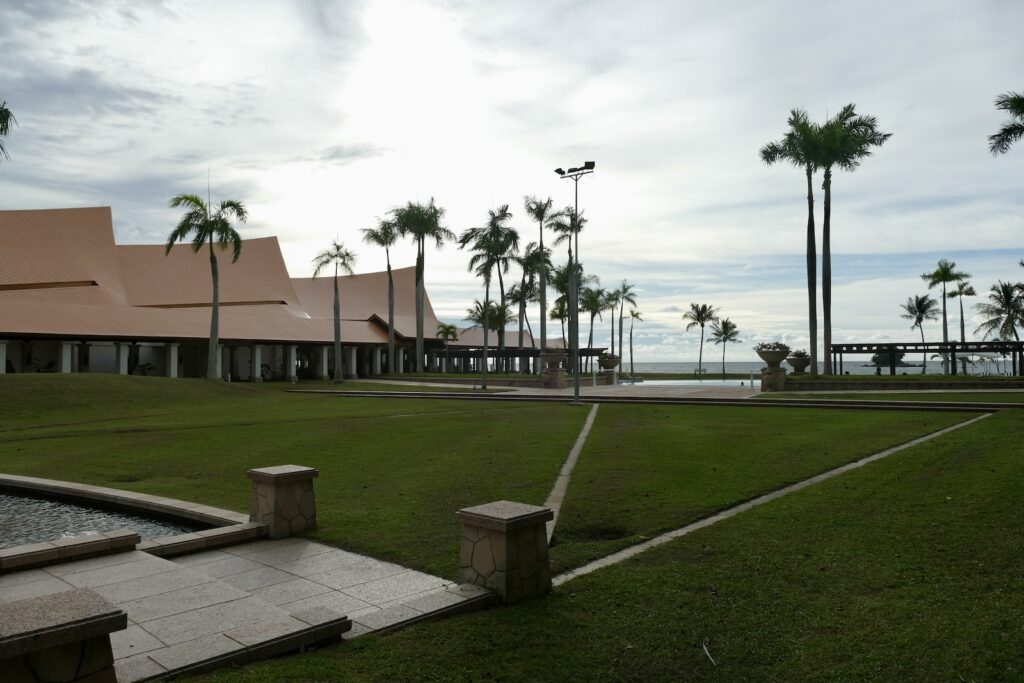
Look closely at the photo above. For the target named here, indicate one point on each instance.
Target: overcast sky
(322, 116)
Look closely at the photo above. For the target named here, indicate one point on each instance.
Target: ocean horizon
(852, 367)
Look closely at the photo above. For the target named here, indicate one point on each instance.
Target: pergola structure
(1013, 349)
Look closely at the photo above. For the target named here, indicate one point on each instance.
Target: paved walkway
(618, 391)
(218, 604)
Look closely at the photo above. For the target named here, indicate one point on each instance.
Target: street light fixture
(574, 313)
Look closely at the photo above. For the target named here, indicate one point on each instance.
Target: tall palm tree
(1003, 312)
(799, 147)
(421, 222)
(945, 273)
(568, 229)
(722, 332)
(560, 312)
(343, 260)
(963, 288)
(626, 295)
(845, 141)
(560, 280)
(700, 315)
(541, 211)
(920, 308)
(535, 263)
(385, 235)
(611, 301)
(207, 227)
(593, 301)
(634, 315)
(447, 333)
(7, 120)
(1012, 130)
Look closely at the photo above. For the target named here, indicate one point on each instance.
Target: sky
(323, 116)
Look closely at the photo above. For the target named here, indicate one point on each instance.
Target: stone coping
(504, 515)
(180, 544)
(168, 507)
(67, 549)
(51, 620)
(282, 473)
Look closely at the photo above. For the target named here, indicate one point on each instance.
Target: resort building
(71, 300)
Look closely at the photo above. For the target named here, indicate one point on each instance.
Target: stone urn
(553, 358)
(798, 363)
(608, 362)
(773, 358)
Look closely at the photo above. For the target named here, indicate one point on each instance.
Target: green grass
(467, 376)
(907, 569)
(648, 469)
(392, 472)
(912, 377)
(932, 396)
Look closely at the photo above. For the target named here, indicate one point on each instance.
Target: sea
(850, 365)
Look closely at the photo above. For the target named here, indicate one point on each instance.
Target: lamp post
(574, 310)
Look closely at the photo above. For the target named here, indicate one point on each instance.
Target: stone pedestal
(553, 378)
(282, 498)
(773, 379)
(59, 637)
(504, 548)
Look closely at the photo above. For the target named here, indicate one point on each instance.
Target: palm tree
(700, 315)
(844, 141)
(634, 315)
(541, 212)
(1003, 312)
(422, 222)
(722, 332)
(625, 296)
(205, 229)
(343, 260)
(385, 235)
(534, 262)
(447, 333)
(593, 301)
(6, 121)
(799, 147)
(568, 229)
(560, 280)
(944, 274)
(611, 301)
(1012, 130)
(920, 308)
(560, 312)
(963, 288)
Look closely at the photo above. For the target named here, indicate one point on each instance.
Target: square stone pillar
(504, 548)
(65, 354)
(773, 379)
(325, 356)
(257, 363)
(282, 498)
(291, 357)
(377, 353)
(121, 350)
(172, 359)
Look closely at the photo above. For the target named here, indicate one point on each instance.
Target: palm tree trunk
(522, 314)
(419, 304)
(211, 356)
(338, 374)
(826, 269)
(812, 277)
(391, 315)
(622, 307)
(565, 344)
(700, 355)
(487, 324)
(631, 371)
(543, 293)
(924, 356)
(590, 341)
(945, 332)
(612, 336)
(963, 334)
(724, 343)
(500, 363)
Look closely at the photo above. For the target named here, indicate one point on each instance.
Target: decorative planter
(552, 359)
(773, 358)
(609, 362)
(798, 363)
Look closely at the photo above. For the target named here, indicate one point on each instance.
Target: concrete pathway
(635, 550)
(621, 390)
(215, 606)
(557, 495)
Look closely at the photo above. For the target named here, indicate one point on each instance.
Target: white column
(399, 361)
(171, 357)
(352, 359)
(121, 357)
(290, 360)
(377, 353)
(64, 358)
(257, 363)
(324, 361)
(3, 356)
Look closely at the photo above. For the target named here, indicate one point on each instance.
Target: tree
(343, 260)
(920, 308)
(421, 222)
(568, 229)
(560, 312)
(634, 315)
(883, 359)
(7, 120)
(626, 295)
(593, 301)
(799, 147)
(1012, 130)
(447, 333)
(722, 332)
(205, 229)
(963, 288)
(945, 273)
(1003, 311)
(385, 235)
(845, 141)
(560, 281)
(540, 211)
(700, 315)
(611, 301)
(535, 263)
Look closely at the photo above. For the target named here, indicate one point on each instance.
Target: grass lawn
(907, 569)
(911, 377)
(935, 396)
